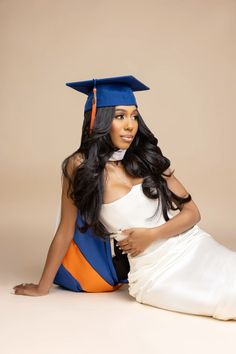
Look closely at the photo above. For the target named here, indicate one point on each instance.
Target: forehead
(126, 108)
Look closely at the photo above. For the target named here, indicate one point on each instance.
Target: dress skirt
(190, 273)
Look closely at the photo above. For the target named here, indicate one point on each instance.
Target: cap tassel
(94, 105)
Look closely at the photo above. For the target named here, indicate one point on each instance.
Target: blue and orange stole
(87, 265)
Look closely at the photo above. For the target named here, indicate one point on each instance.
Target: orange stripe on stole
(78, 266)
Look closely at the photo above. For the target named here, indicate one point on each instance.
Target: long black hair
(142, 159)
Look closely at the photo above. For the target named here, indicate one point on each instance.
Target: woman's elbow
(198, 216)
(193, 210)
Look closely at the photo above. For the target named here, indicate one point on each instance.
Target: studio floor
(68, 322)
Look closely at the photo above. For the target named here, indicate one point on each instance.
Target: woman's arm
(188, 216)
(56, 252)
(59, 244)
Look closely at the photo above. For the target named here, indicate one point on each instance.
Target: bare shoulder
(74, 162)
(174, 183)
(168, 173)
(68, 208)
(177, 187)
(78, 158)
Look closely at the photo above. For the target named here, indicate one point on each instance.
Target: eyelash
(122, 115)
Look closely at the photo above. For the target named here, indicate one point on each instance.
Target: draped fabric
(87, 265)
(189, 272)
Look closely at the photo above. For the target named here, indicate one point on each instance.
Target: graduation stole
(87, 265)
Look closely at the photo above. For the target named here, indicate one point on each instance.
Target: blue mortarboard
(110, 91)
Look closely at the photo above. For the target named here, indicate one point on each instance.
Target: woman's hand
(137, 240)
(29, 289)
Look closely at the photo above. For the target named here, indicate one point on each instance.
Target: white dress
(190, 272)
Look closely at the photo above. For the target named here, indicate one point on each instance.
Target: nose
(129, 124)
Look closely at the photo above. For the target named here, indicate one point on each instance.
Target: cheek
(114, 129)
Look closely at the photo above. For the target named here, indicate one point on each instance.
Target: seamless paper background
(183, 50)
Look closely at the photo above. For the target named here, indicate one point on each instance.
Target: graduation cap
(111, 91)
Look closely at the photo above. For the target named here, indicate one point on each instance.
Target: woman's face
(124, 126)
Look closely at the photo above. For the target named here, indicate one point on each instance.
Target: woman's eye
(121, 115)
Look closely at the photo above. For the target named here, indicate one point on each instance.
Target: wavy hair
(143, 159)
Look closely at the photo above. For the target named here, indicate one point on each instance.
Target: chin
(123, 145)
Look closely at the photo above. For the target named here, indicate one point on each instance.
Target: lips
(127, 138)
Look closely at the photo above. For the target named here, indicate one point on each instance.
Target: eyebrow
(123, 110)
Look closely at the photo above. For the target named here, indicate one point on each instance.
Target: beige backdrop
(183, 50)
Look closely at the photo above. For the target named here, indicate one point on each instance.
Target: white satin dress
(190, 272)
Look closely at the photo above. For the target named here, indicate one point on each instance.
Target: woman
(124, 187)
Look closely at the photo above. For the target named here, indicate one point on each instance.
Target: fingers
(20, 285)
(131, 253)
(122, 243)
(126, 250)
(23, 289)
(19, 291)
(125, 247)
